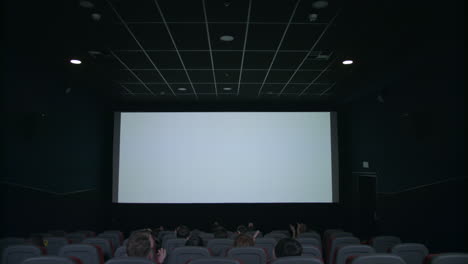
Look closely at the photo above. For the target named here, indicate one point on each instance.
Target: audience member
(195, 241)
(243, 240)
(288, 247)
(142, 244)
(183, 232)
(221, 233)
(241, 229)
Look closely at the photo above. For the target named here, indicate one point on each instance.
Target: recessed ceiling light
(320, 4)
(182, 89)
(226, 38)
(347, 62)
(227, 88)
(75, 61)
(86, 4)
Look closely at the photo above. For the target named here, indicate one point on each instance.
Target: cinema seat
(163, 233)
(18, 253)
(382, 244)
(311, 234)
(112, 238)
(311, 251)
(276, 236)
(214, 260)
(329, 232)
(377, 259)
(88, 233)
(51, 260)
(206, 237)
(447, 258)
(118, 233)
(76, 237)
(104, 243)
(53, 244)
(266, 243)
(88, 254)
(9, 241)
(120, 252)
(335, 243)
(218, 246)
(252, 233)
(343, 252)
(171, 244)
(310, 241)
(411, 253)
(129, 260)
(182, 255)
(167, 237)
(298, 260)
(248, 255)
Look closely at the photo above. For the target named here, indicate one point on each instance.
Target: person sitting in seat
(241, 229)
(194, 241)
(244, 240)
(221, 233)
(182, 232)
(288, 247)
(141, 244)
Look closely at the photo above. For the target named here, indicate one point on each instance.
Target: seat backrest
(103, 243)
(129, 260)
(411, 253)
(76, 237)
(378, 258)
(161, 234)
(311, 251)
(382, 244)
(215, 260)
(310, 241)
(88, 254)
(120, 252)
(182, 255)
(339, 242)
(327, 233)
(118, 234)
(310, 234)
(277, 236)
(168, 237)
(49, 260)
(344, 252)
(171, 244)
(268, 244)
(53, 244)
(248, 255)
(18, 253)
(113, 239)
(298, 260)
(332, 236)
(9, 241)
(219, 245)
(448, 258)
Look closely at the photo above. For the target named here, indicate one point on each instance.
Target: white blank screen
(224, 157)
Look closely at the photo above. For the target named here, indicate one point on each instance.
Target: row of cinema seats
(339, 247)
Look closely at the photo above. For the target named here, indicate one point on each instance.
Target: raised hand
(161, 255)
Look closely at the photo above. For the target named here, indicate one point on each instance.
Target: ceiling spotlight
(183, 89)
(96, 16)
(226, 38)
(227, 88)
(347, 62)
(74, 61)
(320, 4)
(313, 17)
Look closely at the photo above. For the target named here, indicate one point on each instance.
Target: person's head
(243, 240)
(241, 229)
(195, 241)
(221, 233)
(183, 232)
(288, 247)
(141, 244)
(302, 228)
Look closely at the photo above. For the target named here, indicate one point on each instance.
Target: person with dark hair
(244, 240)
(241, 229)
(194, 241)
(141, 244)
(183, 232)
(221, 233)
(288, 247)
